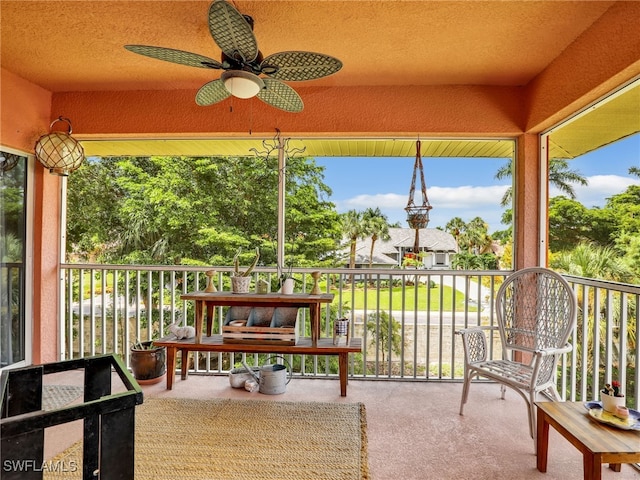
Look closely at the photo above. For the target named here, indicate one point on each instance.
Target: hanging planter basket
(418, 215)
(418, 220)
(59, 151)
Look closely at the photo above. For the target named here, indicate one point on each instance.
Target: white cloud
(466, 202)
(382, 200)
(443, 197)
(467, 196)
(599, 188)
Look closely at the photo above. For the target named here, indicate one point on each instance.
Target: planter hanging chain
(418, 216)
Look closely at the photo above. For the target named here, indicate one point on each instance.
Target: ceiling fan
(243, 63)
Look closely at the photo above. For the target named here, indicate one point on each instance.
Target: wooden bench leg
(209, 319)
(343, 363)
(184, 367)
(171, 366)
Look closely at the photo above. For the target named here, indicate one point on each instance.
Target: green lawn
(432, 298)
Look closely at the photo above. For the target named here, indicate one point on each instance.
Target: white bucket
(273, 378)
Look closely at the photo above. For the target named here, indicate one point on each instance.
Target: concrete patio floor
(414, 429)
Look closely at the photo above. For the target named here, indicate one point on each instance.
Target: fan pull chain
(251, 117)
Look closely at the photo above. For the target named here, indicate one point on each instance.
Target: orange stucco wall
(26, 115)
(606, 56)
(370, 111)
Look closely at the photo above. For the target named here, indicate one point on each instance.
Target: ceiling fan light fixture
(242, 84)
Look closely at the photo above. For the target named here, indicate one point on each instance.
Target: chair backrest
(536, 309)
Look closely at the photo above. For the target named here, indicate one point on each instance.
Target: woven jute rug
(225, 439)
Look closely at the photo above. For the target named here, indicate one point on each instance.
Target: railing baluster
(92, 313)
(103, 311)
(126, 315)
(116, 313)
(622, 339)
(149, 309)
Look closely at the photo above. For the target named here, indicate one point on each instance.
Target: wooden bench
(214, 343)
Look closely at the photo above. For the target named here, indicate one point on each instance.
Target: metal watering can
(272, 379)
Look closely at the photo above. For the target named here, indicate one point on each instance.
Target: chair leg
(532, 415)
(533, 427)
(465, 389)
(503, 391)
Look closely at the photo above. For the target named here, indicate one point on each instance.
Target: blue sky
(465, 187)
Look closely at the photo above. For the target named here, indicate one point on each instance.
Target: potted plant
(286, 280)
(612, 397)
(240, 280)
(418, 220)
(148, 362)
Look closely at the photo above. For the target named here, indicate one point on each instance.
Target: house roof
(431, 239)
(379, 258)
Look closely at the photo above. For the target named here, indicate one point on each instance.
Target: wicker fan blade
(212, 92)
(296, 66)
(174, 56)
(231, 32)
(280, 95)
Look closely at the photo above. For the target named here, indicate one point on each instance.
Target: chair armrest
(554, 351)
(474, 342)
(464, 331)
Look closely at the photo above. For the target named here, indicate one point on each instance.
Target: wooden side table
(598, 443)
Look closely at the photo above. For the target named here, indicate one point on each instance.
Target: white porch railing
(408, 333)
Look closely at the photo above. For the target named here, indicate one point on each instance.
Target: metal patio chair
(536, 311)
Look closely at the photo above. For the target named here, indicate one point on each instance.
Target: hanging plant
(418, 220)
(418, 216)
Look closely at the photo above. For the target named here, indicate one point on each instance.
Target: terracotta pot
(148, 366)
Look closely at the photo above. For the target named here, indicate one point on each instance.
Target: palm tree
(455, 227)
(594, 261)
(466, 261)
(376, 224)
(353, 229)
(478, 235)
(560, 176)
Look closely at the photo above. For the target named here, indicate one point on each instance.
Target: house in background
(438, 247)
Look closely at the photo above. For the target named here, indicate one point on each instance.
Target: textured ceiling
(78, 45)
(75, 46)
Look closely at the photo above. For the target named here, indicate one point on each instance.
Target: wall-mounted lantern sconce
(59, 151)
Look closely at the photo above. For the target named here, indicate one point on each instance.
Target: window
(13, 271)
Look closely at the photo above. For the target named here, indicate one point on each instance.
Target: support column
(527, 204)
